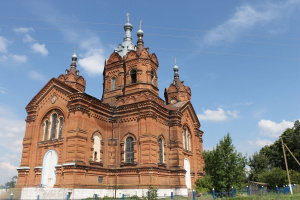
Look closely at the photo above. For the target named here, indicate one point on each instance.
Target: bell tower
(130, 69)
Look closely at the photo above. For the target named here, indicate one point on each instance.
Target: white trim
(23, 168)
(68, 164)
(38, 167)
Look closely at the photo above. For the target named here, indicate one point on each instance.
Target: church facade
(129, 139)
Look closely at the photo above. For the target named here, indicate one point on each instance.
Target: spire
(74, 59)
(140, 42)
(127, 44)
(176, 69)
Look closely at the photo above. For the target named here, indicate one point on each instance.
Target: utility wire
(150, 34)
(153, 27)
(182, 50)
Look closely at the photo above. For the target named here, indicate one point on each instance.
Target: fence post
(277, 190)
(148, 195)
(5, 187)
(262, 190)
(248, 191)
(214, 196)
(11, 196)
(96, 196)
(38, 197)
(172, 195)
(194, 195)
(123, 197)
(232, 192)
(68, 196)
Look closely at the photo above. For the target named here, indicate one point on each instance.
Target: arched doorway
(188, 173)
(49, 171)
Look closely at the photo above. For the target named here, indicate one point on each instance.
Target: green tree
(258, 163)
(291, 137)
(225, 166)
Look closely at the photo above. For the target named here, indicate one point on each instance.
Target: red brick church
(129, 139)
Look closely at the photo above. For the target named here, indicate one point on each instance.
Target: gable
(54, 83)
(188, 107)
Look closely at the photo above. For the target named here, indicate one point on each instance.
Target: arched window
(97, 148)
(161, 150)
(46, 130)
(133, 75)
(113, 83)
(60, 127)
(183, 139)
(152, 76)
(129, 154)
(53, 126)
(186, 139)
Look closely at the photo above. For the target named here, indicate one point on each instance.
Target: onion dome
(127, 44)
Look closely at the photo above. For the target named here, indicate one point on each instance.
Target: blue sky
(241, 60)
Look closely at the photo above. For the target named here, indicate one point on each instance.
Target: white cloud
(217, 115)
(36, 76)
(8, 167)
(273, 129)
(93, 62)
(3, 58)
(2, 90)
(39, 48)
(3, 44)
(247, 17)
(23, 30)
(28, 38)
(19, 58)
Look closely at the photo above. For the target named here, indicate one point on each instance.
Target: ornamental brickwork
(131, 138)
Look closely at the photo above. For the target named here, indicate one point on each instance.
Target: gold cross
(127, 17)
(141, 24)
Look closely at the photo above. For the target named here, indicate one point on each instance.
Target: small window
(113, 83)
(133, 75)
(129, 154)
(152, 76)
(46, 130)
(100, 179)
(97, 148)
(53, 126)
(60, 127)
(161, 151)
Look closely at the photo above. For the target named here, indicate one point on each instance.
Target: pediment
(131, 55)
(145, 54)
(154, 58)
(114, 57)
(188, 107)
(53, 86)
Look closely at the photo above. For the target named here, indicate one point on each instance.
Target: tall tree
(291, 137)
(258, 163)
(225, 166)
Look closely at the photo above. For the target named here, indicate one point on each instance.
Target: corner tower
(72, 77)
(130, 69)
(177, 91)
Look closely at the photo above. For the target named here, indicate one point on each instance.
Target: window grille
(113, 83)
(161, 151)
(129, 155)
(46, 130)
(100, 179)
(60, 127)
(53, 126)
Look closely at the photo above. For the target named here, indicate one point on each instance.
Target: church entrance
(188, 173)
(49, 171)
